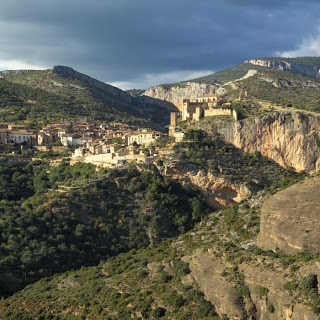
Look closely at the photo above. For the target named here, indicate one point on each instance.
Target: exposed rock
(278, 300)
(290, 139)
(250, 73)
(206, 270)
(291, 83)
(281, 65)
(220, 192)
(290, 219)
(176, 93)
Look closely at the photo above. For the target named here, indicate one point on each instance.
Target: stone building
(22, 136)
(143, 137)
(205, 106)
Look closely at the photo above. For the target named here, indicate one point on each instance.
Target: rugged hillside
(304, 66)
(291, 139)
(290, 219)
(213, 272)
(307, 66)
(224, 174)
(65, 93)
(279, 88)
(57, 219)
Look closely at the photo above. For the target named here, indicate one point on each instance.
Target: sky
(142, 43)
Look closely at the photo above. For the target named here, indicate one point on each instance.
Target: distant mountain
(306, 66)
(295, 77)
(62, 93)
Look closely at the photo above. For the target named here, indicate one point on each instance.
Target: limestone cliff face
(280, 65)
(207, 273)
(176, 93)
(290, 219)
(290, 139)
(220, 192)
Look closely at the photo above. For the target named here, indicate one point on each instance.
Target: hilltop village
(111, 145)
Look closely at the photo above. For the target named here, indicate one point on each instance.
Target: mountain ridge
(88, 96)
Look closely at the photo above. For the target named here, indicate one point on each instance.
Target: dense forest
(56, 219)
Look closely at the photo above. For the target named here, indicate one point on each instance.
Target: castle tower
(173, 119)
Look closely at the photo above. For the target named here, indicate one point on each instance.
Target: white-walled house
(71, 140)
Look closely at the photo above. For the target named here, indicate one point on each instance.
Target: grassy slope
(46, 96)
(241, 70)
(282, 88)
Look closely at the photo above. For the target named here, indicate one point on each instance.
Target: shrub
(309, 282)
(181, 268)
(291, 285)
(158, 312)
(263, 292)
(270, 307)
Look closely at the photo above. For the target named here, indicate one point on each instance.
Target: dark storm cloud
(124, 40)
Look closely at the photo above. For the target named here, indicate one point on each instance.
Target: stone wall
(220, 111)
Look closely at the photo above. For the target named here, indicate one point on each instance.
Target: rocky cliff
(220, 192)
(281, 65)
(290, 139)
(266, 299)
(176, 93)
(290, 219)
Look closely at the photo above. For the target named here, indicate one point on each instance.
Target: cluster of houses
(73, 134)
(110, 145)
(16, 133)
(117, 147)
(105, 145)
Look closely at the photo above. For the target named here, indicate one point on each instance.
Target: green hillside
(229, 74)
(49, 95)
(282, 88)
(156, 282)
(19, 102)
(241, 70)
(56, 219)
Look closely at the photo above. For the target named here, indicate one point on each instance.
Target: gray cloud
(123, 40)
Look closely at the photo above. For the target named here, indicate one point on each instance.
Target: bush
(292, 285)
(270, 307)
(309, 282)
(158, 312)
(181, 268)
(263, 292)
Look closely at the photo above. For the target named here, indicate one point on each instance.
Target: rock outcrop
(290, 219)
(290, 139)
(220, 192)
(207, 271)
(184, 90)
(277, 303)
(281, 65)
(212, 275)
